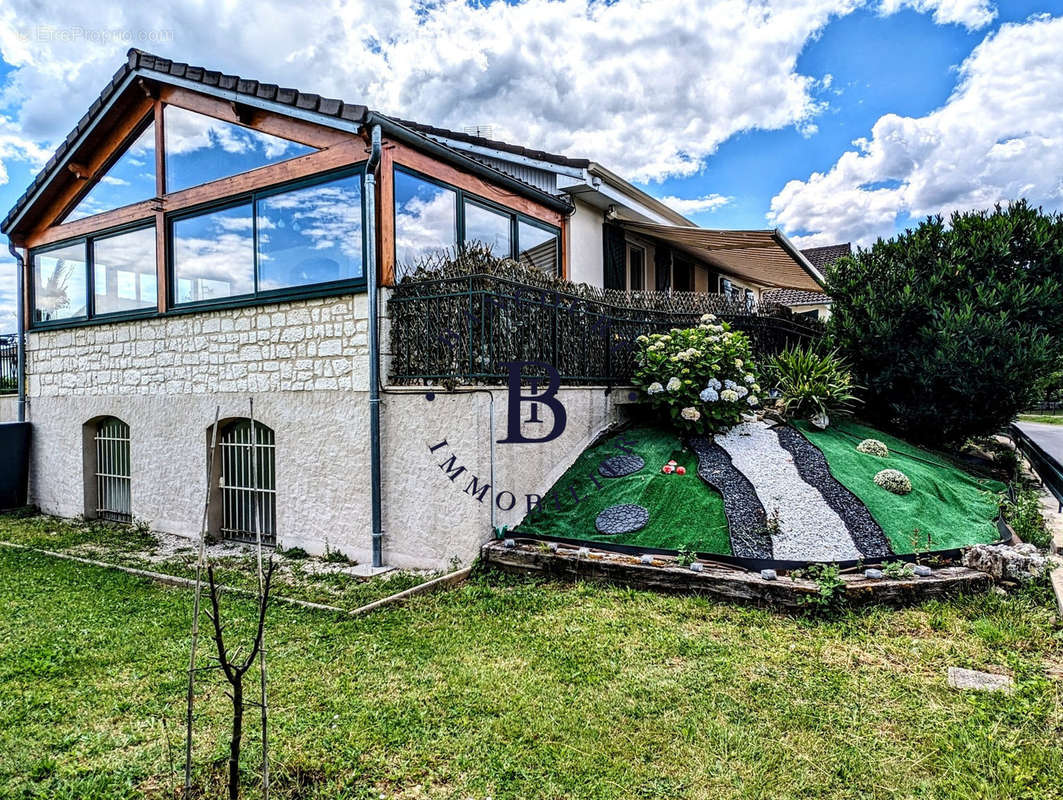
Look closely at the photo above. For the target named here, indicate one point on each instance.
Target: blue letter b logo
(548, 397)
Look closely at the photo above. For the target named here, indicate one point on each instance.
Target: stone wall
(8, 407)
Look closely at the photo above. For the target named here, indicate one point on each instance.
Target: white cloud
(971, 14)
(999, 137)
(646, 87)
(696, 205)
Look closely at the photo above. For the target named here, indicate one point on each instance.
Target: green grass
(946, 508)
(513, 689)
(1050, 419)
(684, 511)
(126, 546)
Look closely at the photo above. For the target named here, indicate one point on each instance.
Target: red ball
(667, 469)
(680, 470)
(671, 463)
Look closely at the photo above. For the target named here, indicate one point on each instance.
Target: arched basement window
(248, 499)
(112, 470)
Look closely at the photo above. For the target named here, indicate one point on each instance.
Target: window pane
(201, 149)
(310, 235)
(213, 255)
(538, 247)
(129, 180)
(489, 228)
(121, 267)
(425, 221)
(60, 278)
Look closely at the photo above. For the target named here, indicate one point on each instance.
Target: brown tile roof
(823, 257)
(794, 297)
(494, 144)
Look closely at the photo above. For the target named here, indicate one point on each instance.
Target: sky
(833, 120)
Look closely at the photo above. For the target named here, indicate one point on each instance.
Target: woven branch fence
(458, 321)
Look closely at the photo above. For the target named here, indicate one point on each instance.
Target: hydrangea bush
(873, 447)
(893, 480)
(703, 378)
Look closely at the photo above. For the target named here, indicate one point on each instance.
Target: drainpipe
(374, 347)
(20, 335)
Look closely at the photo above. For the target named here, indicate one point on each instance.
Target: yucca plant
(811, 382)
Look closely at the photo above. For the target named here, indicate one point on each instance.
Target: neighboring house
(199, 238)
(805, 303)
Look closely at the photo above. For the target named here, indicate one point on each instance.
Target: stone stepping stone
(746, 519)
(619, 466)
(809, 529)
(627, 518)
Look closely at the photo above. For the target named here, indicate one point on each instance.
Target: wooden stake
(256, 520)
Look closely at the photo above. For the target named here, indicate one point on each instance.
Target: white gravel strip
(809, 528)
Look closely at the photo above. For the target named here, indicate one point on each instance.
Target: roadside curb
(442, 582)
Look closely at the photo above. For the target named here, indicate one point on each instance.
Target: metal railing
(466, 327)
(112, 471)
(248, 494)
(8, 363)
(1048, 469)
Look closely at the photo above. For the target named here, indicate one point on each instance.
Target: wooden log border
(720, 581)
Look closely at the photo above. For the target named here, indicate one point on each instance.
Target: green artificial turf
(684, 511)
(947, 508)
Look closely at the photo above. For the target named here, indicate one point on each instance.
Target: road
(1049, 437)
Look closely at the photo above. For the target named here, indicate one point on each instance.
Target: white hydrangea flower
(690, 413)
(643, 339)
(730, 384)
(739, 363)
(673, 384)
(714, 384)
(755, 387)
(750, 378)
(708, 317)
(730, 395)
(741, 391)
(752, 400)
(654, 388)
(709, 396)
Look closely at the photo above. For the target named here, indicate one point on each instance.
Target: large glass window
(310, 235)
(300, 236)
(123, 270)
(214, 255)
(60, 283)
(537, 246)
(426, 220)
(129, 180)
(200, 149)
(489, 228)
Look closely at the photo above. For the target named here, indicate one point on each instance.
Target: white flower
(654, 388)
(690, 413)
(713, 384)
(741, 391)
(750, 378)
(643, 339)
(738, 363)
(673, 385)
(752, 400)
(730, 395)
(709, 396)
(666, 338)
(730, 384)
(708, 317)
(756, 388)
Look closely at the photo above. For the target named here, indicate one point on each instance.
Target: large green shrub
(950, 328)
(703, 378)
(811, 382)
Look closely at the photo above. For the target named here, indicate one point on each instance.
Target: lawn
(510, 689)
(1049, 419)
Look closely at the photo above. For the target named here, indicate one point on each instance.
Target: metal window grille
(112, 470)
(248, 503)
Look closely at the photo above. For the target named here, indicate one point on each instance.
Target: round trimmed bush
(873, 447)
(893, 480)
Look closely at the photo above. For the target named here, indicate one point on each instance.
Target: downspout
(20, 335)
(374, 347)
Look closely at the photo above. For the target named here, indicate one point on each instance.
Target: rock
(619, 466)
(974, 680)
(646, 558)
(509, 543)
(583, 552)
(768, 574)
(821, 421)
(871, 572)
(697, 566)
(1003, 562)
(625, 518)
(552, 547)
(923, 571)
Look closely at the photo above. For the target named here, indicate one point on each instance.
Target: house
(200, 238)
(806, 303)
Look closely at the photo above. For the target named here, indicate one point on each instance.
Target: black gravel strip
(812, 467)
(746, 519)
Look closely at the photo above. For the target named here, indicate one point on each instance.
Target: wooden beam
(348, 153)
(150, 88)
(79, 171)
(386, 216)
(160, 151)
(295, 130)
(161, 282)
(244, 114)
(407, 156)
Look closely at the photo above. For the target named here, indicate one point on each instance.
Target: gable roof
(823, 257)
(141, 65)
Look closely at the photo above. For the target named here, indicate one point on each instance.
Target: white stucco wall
(585, 244)
(306, 365)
